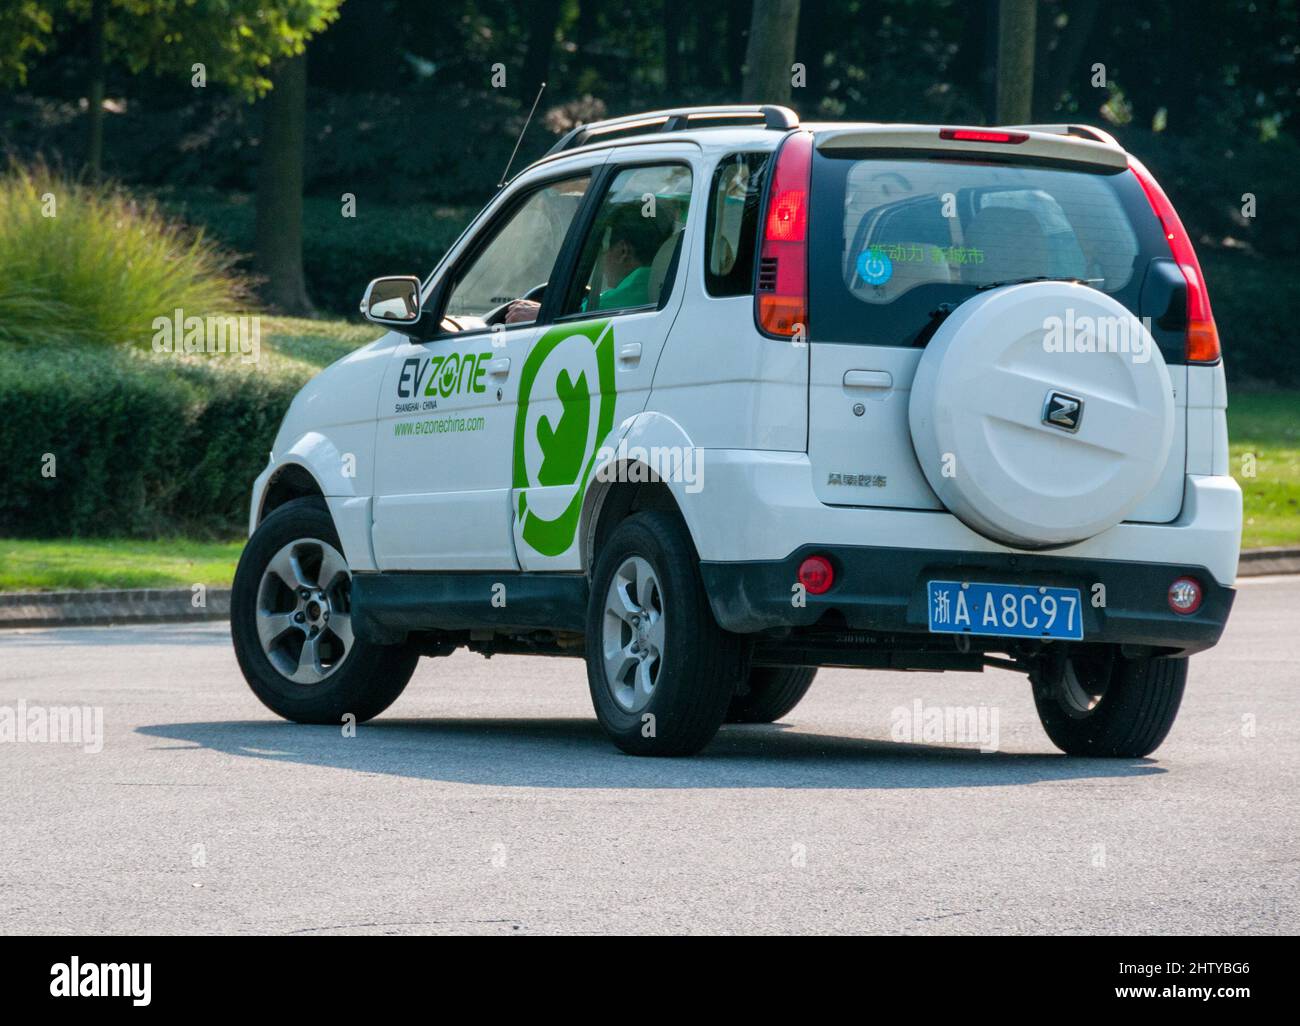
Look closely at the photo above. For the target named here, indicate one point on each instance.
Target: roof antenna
(536, 100)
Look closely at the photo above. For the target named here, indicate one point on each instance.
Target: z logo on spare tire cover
(1062, 411)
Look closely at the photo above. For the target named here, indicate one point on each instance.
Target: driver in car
(633, 242)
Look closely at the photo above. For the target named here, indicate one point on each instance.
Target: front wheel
(291, 622)
(661, 670)
(1101, 704)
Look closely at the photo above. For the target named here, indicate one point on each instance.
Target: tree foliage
(237, 41)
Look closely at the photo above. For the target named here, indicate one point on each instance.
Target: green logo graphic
(568, 445)
(564, 445)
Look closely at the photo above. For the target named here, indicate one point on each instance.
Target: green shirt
(634, 290)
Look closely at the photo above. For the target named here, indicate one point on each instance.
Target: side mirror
(392, 302)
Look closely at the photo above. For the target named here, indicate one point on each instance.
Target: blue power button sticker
(874, 266)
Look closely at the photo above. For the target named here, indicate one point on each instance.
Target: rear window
(894, 239)
(731, 231)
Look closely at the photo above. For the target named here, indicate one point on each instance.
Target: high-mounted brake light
(781, 298)
(982, 135)
(1202, 335)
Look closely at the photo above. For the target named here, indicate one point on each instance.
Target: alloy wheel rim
(1077, 696)
(633, 634)
(304, 611)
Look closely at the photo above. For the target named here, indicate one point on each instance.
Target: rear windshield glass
(894, 239)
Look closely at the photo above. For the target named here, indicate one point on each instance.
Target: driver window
(628, 259)
(512, 271)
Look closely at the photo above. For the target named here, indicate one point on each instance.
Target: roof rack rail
(676, 120)
(1082, 131)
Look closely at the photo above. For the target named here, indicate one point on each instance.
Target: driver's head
(634, 239)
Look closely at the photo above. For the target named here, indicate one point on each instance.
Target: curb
(1258, 562)
(176, 605)
(102, 608)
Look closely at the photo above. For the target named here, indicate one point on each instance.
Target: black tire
(368, 678)
(1136, 701)
(771, 692)
(700, 664)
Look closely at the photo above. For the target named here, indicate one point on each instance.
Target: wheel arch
(652, 466)
(290, 480)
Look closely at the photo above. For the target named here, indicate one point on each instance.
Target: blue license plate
(1005, 610)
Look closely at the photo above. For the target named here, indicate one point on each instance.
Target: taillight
(984, 135)
(1202, 335)
(781, 298)
(816, 575)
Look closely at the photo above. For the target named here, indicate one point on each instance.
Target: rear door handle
(630, 353)
(500, 367)
(868, 379)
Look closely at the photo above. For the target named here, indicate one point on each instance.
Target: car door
(447, 413)
(592, 369)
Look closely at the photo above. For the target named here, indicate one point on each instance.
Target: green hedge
(140, 450)
(340, 254)
(1256, 305)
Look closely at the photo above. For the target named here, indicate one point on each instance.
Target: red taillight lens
(1202, 335)
(787, 216)
(1185, 595)
(781, 298)
(982, 135)
(816, 575)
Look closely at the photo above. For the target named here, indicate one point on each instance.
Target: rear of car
(1007, 328)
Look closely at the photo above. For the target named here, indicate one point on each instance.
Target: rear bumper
(759, 505)
(884, 590)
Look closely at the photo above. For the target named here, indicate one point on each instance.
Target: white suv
(713, 398)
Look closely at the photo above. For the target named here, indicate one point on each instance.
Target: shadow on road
(183, 633)
(572, 753)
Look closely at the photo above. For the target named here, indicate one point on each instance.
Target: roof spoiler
(1072, 143)
(1082, 131)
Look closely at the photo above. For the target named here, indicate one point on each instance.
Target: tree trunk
(973, 65)
(1182, 89)
(819, 30)
(543, 16)
(95, 99)
(588, 28)
(707, 55)
(1068, 73)
(1016, 34)
(772, 33)
(278, 245)
(738, 17)
(674, 15)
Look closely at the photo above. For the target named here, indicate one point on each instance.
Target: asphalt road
(486, 801)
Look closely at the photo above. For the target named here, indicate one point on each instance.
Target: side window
(517, 263)
(631, 252)
(731, 231)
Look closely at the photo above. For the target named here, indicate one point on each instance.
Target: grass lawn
(64, 564)
(1264, 430)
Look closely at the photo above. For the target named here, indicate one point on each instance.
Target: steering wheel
(494, 315)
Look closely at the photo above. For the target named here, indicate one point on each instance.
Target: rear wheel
(291, 621)
(661, 670)
(770, 693)
(1101, 704)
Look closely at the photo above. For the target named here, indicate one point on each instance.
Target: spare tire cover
(1041, 413)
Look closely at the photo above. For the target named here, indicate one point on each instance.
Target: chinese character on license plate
(1005, 610)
